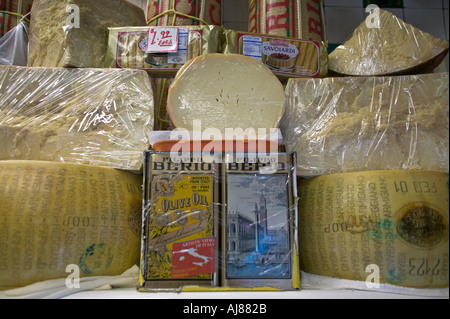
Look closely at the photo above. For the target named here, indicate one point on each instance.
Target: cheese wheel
(393, 221)
(386, 45)
(225, 91)
(55, 215)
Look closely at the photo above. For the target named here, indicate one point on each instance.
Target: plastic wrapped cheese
(58, 217)
(224, 91)
(72, 33)
(387, 48)
(368, 123)
(86, 116)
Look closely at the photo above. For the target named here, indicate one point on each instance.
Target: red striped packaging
(209, 11)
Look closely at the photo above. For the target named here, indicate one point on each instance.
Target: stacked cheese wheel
(221, 92)
(55, 215)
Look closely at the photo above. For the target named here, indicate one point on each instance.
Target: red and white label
(194, 257)
(162, 39)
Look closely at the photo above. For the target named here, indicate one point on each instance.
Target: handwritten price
(162, 39)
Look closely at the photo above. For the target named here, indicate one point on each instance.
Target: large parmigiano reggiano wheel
(56, 214)
(225, 91)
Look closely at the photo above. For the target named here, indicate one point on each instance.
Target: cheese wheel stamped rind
(53, 215)
(396, 220)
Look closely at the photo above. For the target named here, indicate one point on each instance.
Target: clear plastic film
(368, 123)
(86, 116)
(75, 30)
(386, 45)
(127, 48)
(223, 224)
(225, 91)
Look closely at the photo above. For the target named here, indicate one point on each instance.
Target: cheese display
(368, 123)
(301, 19)
(56, 215)
(85, 116)
(76, 30)
(223, 91)
(286, 57)
(378, 227)
(387, 46)
(161, 12)
(127, 48)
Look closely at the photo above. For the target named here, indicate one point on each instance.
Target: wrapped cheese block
(127, 48)
(71, 33)
(367, 123)
(59, 216)
(223, 91)
(387, 46)
(208, 11)
(86, 116)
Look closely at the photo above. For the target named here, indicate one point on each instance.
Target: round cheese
(58, 215)
(394, 222)
(225, 91)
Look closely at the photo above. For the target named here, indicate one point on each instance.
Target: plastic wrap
(194, 12)
(368, 123)
(386, 45)
(225, 224)
(225, 91)
(75, 30)
(286, 57)
(127, 48)
(86, 116)
(301, 19)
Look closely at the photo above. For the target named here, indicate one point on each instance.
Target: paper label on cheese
(396, 220)
(56, 214)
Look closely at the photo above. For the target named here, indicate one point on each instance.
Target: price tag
(162, 39)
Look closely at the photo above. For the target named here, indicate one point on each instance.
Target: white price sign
(162, 39)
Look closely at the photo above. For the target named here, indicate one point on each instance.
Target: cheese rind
(393, 47)
(367, 123)
(87, 116)
(54, 25)
(379, 227)
(225, 91)
(53, 215)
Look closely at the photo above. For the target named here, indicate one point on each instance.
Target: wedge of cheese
(72, 33)
(87, 116)
(59, 215)
(368, 123)
(225, 91)
(386, 48)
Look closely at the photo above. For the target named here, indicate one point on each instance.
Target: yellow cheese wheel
(394, 222)
(54, 215)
